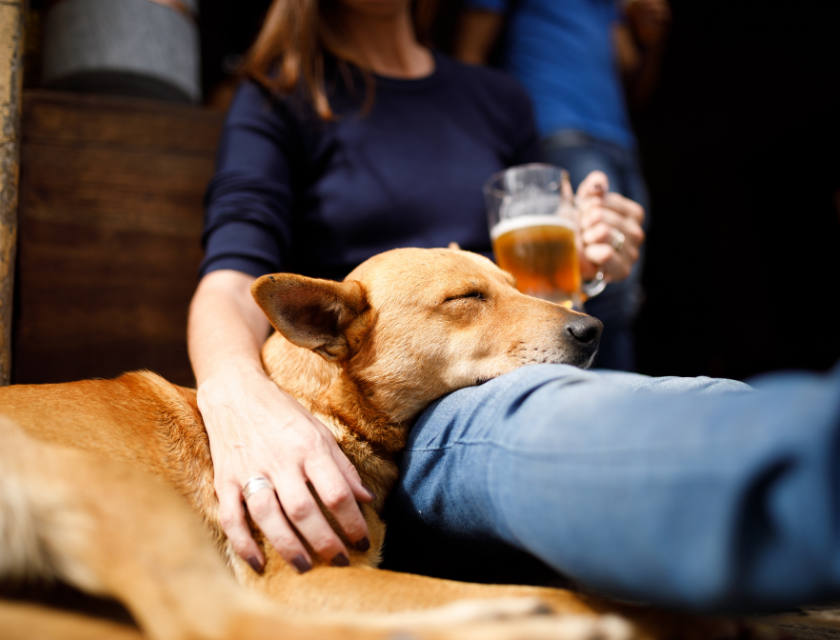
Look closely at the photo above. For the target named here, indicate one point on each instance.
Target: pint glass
(534, 229)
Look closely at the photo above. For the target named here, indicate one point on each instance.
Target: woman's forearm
(226, 327)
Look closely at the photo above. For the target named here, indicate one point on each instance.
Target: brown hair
(289, 50)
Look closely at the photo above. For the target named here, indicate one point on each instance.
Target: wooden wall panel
(110, 223)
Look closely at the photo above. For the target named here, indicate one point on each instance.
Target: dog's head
(411, 325)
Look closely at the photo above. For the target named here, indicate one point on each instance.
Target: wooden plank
(109, 235)
(96, 302)
(123, 188)
(65, 118)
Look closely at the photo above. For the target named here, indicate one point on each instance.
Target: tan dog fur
(78, 500)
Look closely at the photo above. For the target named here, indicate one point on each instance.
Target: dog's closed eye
(466, 296)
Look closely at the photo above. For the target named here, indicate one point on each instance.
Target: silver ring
(252, 485)
(618, 240)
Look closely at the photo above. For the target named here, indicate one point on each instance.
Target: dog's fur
(85, 491)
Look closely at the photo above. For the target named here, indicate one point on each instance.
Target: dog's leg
(111, 530)
(428, 603)
(25, 621)
(138, 418)
(349, 589)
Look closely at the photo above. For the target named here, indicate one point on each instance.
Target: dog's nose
(586, 330)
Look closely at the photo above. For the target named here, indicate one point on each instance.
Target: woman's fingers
(593, 191)
(595, 184)
(607, 227)
(612, 257)
(266, 514)
(615, 266)
(625, 206)
(232, 521)
(299, 509)
(351, 475)
(611, 232)
(273, 436)
(305, 515)
(337, 496)
(629, 215)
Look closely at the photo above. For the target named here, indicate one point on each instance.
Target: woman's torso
(407, 173)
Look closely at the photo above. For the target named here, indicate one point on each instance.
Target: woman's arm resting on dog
(255, 429)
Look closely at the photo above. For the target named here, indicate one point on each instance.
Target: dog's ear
(326, 316)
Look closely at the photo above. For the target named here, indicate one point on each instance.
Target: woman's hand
(256, 429)
(611, 229)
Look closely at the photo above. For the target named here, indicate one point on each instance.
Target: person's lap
(681, 491)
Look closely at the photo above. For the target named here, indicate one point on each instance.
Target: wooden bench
(109, 235)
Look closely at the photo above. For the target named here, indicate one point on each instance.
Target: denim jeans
(692, 492)
(618, 305)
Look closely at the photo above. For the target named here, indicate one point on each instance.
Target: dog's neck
(368, 436)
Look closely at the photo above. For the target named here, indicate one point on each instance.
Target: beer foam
(521, 222)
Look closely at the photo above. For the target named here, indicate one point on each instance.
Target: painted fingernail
(340, 560)
(371, 493)
(363, 544)
(255, 564)
(300, 563)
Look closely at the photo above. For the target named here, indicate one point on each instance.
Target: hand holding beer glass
(535, 231)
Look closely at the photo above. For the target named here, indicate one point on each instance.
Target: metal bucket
(136, 48)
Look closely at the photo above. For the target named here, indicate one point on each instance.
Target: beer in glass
(533, 226)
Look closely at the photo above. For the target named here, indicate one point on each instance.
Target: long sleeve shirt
(293, 192)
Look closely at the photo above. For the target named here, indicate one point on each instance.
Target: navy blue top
(295, 193)
(562, 52)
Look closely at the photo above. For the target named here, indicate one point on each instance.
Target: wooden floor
(808, 623)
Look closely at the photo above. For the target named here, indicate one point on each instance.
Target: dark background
(740, 152)
(740, 149)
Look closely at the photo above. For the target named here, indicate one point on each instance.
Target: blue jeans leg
(678, 491)
(618, 305)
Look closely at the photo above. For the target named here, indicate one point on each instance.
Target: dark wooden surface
(109, 240)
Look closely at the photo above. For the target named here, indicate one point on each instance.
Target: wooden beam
(11, 75)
